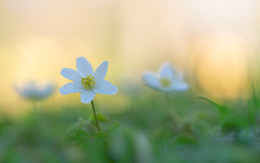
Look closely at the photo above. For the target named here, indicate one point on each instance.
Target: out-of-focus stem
(35, 107)
(171, 111)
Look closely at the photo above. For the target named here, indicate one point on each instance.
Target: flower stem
(35, 108)
(105, 143)
(95, 115)
(175, 114)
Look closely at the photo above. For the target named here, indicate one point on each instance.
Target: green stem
(171, 111)
(105, 143)
(35, 107)
(95, 115)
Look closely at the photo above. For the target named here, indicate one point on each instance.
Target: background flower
(166, 80)
(35, 91)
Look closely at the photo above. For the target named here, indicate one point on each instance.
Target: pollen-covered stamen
(88, 82)
(165, 82)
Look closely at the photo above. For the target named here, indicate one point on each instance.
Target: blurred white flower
(166, 80)
(86, 81)
(36, 92)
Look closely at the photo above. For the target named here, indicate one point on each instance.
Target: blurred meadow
(214, 43)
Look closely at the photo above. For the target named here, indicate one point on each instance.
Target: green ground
(149, 131)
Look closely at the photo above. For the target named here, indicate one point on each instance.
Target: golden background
(214, 42)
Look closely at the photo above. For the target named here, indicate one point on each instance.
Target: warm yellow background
(214, 42)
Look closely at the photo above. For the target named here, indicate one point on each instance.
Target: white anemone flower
(86, 81)
(166, 80)
(35, 91)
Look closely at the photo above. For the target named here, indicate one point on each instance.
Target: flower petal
(180, 86)
(167, 71)
(47, 90)
(105, 87)
(180, 76)
(71, 74)
(69, 88)
(151, 80)
(84, 67)
(101, 71)
(87, 96)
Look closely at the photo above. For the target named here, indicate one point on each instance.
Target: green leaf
(101, 118)
(80, 133)
(182, 139)
(101, 135)
(222, 109)
(113, 127)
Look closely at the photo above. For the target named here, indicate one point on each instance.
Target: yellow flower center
(88, 82)
(165, 82)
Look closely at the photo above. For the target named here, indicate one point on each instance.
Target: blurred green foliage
(207, 131)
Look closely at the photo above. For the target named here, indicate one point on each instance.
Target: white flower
(166, 80)
(35, 92)
(86, 81)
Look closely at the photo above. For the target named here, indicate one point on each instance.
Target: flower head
(34, 91)
(86, 81)
(166, 80)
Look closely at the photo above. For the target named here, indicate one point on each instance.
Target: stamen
(165, 82)
(88, 82)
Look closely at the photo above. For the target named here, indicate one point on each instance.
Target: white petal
(71, 74)
(69, 88)
(87, 96)
(180, 76)
(151, 80)
(180, 86)
(47, 91)
(84, 67)
(167, 71)
(105, 87)
(101, 71)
